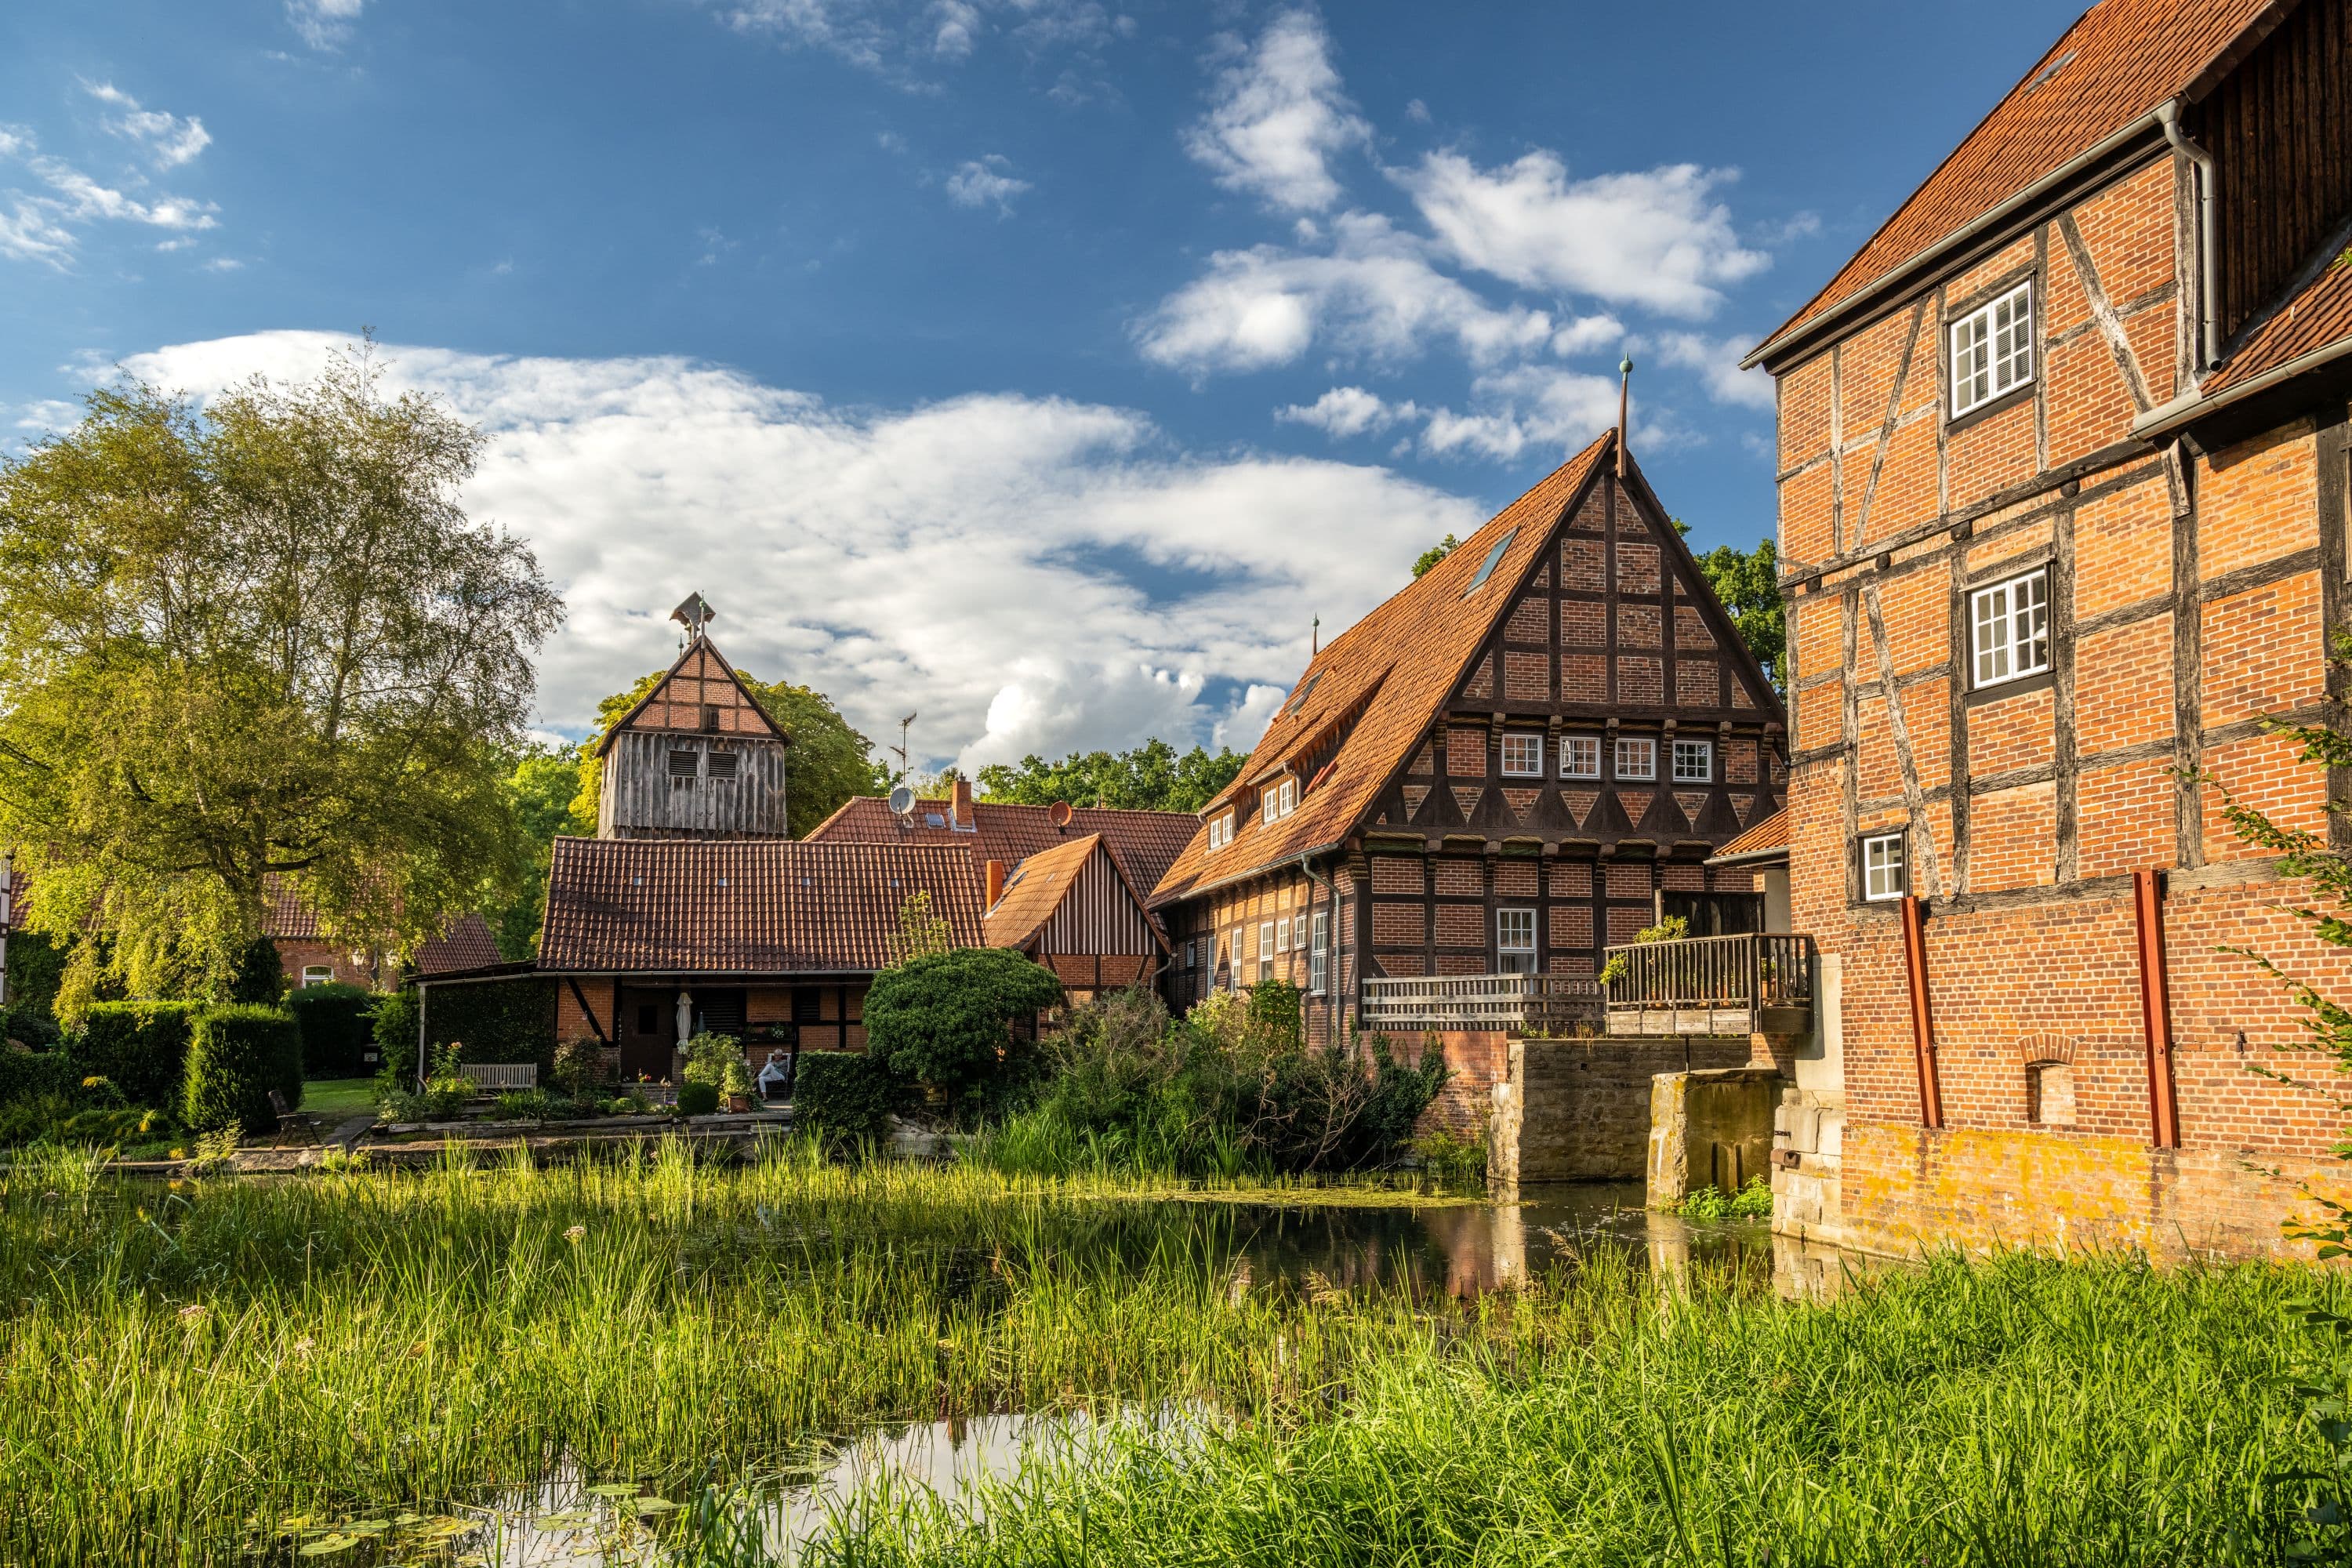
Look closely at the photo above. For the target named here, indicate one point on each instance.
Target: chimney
(995, 883)
(960, 814)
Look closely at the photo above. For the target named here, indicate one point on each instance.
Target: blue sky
(1041, 367)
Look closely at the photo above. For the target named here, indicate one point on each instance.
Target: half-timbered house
(697, 758)
(1492, 775)
(2064, 456)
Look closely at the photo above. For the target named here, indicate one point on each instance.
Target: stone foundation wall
(1711, 1127)
(1580, 1109)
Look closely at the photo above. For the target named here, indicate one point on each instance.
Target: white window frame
(1220, 829)
(317, 974)
(1702, 769)
(1529, 745)
(1637, 746)
(1266, 806)
(1587, 749)
(1318, 953)
(1265, 944)
(1886, 867)
(1192, 953)
(1281, 934)
(1990, 351)
(2009, 628)
(1289, 797)
(1506, 924)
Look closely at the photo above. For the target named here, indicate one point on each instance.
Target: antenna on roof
(902, 799)
(1624, 388)
(901, 747)
(693, 613)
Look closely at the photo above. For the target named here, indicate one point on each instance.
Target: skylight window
(1306, 690)
(1486, 567)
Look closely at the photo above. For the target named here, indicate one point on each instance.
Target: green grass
(338, 1098)
(175, 1362)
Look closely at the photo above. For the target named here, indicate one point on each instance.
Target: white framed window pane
(317, 974)
(1637, 759)
(1580, 757)
(1282, 934)
(1882, 866)
(1318, 954)
(1515, 940)
(1523, 756)
(1266, 942)
(1289, 797)
(2012, 625)
(1694, 762)
(1992, 349)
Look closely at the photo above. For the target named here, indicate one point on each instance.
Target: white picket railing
(1525, 1003)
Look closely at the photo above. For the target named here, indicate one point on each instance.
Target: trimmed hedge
(29, 1075)
(497, 1021)
(236, 1055)
(846, 1098)
(142, 1045)
(337, 1025)
(697, 1099)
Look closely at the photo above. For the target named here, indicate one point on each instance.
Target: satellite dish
(1058, 813)
(902, 800)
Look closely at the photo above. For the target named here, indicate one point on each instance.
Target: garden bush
(844, 1098)
(394, 1026)
(945, 1019)
(236, 1055)
(142, 1045)
(717, 1060)
(337, 1025)
(697, 1099)
(581, 1069)
(34, 1074)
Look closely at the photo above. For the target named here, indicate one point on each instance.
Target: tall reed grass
(175, 1363)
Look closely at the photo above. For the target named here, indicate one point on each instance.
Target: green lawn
(333, 1097)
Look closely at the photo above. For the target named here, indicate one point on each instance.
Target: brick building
(1511, 764)
(2063, 466)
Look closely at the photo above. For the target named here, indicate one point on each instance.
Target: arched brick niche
(2049, 1064)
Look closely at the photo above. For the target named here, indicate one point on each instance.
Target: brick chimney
(961, 812)
(995, 883)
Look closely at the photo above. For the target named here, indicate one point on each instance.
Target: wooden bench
(493, 1076)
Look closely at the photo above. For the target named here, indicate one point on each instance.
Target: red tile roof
(1394, 667)
(1767, 835)
(2315, 316)
(2112, 68)
(1037, 889)
(466, 945)
(1143, 842)
(744, 906)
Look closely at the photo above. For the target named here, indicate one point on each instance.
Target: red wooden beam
(2156, 1008)
(1922, 1026)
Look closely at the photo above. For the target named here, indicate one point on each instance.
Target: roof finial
(693, 613)
(1624, 386)
(1314, 638)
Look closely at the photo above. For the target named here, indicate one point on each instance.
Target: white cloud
(1348, 411)
(1530, 406)
(1277, 116)
(1586, 334)
(1028, 574)
(984, 181)
(1373, 296)
(1416, 111)
(1657, 239)
(883, 36)
(223, 264)
(324, 24)
(1716, 360)
(36, 226)
(169, 139)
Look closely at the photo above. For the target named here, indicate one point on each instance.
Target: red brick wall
(1891, 510)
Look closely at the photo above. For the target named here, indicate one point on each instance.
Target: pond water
(1431, 1251)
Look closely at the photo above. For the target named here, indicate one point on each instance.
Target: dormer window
(1278, 801)
(1220, 829)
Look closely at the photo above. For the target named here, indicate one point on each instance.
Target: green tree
(539, 792)
(258, 641)
(828, 762)
(1435, 553)
(946, 1018)
(1748, 582)
(1152, 777)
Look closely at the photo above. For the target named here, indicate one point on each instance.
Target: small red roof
(1143, 842)
(1767, 835)
(745, 906)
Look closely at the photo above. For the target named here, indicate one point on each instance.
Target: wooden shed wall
(1097, 915)
(641, 800)
(2280, 128)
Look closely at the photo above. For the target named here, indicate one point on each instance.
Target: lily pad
(654, 1505)
(328, 1545)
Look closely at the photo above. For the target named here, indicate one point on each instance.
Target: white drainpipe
(2209, 268)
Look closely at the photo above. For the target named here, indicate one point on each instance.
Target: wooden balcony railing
(1528, 1003)
(1757, 984)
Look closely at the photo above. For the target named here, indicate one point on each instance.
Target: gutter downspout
(2168, 114)
(1331, 937)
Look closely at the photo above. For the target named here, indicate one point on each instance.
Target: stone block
(1830, 1143)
